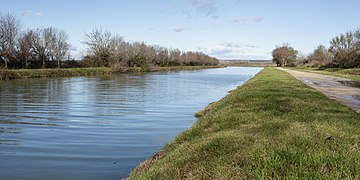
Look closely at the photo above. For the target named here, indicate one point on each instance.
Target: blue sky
(226, 29)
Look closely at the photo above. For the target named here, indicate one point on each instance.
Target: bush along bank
(273, 126)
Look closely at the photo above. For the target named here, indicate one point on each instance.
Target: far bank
(6, 74)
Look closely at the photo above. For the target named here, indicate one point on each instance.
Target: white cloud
(39, 14)
(244, 20)
(29, 13)
(228, 50)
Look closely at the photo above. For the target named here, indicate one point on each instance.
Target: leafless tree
(44, 45)
(10, 28)
(99, 45)
(106, 48)
(175, 55)
(284, 54)
(59, 45)
(25, 48)
(319, 57)
(345, 50)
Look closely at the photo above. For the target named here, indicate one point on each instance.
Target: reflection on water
(355, 84)
(100, 128)
(8, 130)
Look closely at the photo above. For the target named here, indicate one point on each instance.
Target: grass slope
(273, 126)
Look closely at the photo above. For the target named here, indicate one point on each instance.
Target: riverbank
(96, 71)
(273, 126)
(41, 73)
(352, 73)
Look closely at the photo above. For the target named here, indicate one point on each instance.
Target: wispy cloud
(178, 29)
(244, 20)
(29, 13)
(236, 45)
(208, 8)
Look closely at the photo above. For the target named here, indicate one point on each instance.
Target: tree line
(50, 48)
(343, 52)
(32, 48)
(106, 49)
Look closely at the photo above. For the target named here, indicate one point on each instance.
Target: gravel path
(331, 87)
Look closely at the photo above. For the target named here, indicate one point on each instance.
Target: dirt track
(331, 87)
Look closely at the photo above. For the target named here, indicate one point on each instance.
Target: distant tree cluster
(33, 48)
(105, 49)
(344, 52)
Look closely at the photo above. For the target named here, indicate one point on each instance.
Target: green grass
(353, 73)
(272, 127)
(39, 73)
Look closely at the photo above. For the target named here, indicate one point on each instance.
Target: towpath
(334, 87)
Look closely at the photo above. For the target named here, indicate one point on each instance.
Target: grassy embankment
(39, 73)
(353, 73)
(273, 126)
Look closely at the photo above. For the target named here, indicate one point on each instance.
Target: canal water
(100, 127)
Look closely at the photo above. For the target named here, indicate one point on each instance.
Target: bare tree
(319, 57)
(99, 45)
(25, 48)
(345, 50)
(59, 45)
(162, 56)
(139, 60)
(119, 56)
(284, 54)
(105, 48)
(44, 45)
(9, 30)
(175, 55)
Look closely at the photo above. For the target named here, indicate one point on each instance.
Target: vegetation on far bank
(273, 126)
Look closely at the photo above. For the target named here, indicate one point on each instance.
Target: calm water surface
(100, 127)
